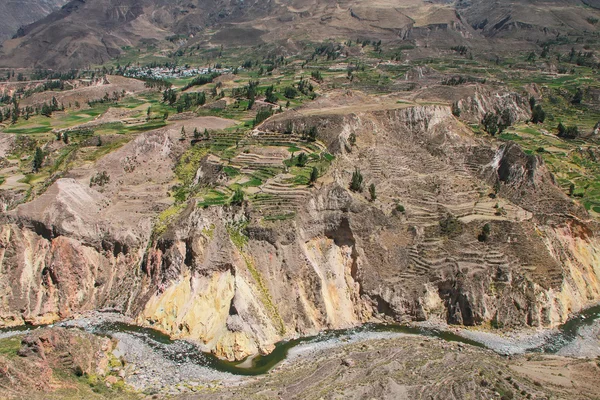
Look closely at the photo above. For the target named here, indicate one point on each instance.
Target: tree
(569, 132)
(302, 159)
(16, 111)
(532, 102)
(456, 109)
(270, 96)
(183, 135)
(38, 159)
(46, 110)
(490, 123)
(578, 97)
(65, 137)
(238, 197)
(169, 96)
(372, 192)
(289, 128)
(290, 92)
(538, 115)
(505, 120)
(485, 233)
(352, 139)
(561, 129)
(311, 134)
(262, 115)
(357, 181)
(314, 175)
(196, 134)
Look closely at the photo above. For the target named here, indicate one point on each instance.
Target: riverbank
(155, 364)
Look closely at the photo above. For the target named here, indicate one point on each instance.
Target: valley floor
(350, 365)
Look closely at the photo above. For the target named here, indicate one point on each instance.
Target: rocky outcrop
(237, 283)
(239, 288)
(473, 108)
(48, 355)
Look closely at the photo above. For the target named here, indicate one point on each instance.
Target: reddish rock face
(227, 278)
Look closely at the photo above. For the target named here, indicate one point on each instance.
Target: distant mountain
(92, 32)
(17, 13)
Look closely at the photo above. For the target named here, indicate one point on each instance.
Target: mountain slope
(92, 32)
(15, 14)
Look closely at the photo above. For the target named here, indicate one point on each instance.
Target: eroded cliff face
(483, 237)
(241, 294)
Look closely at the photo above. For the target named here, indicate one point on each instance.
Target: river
(179, 352)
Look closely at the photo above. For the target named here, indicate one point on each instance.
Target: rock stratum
(464, 229)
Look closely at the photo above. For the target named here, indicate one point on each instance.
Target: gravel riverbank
(156, 365)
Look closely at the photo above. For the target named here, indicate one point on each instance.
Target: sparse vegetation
(356, 184)
(372, 193)
(100, 179)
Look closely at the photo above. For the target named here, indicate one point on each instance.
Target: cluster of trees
(156, 83)
(497, 121)
(114, 98)
(14, 113)
(330, 50)
(462, 50)
(567, 132)
(261, 115)
(169, 96)
(53, 85)
(290, 92)
(237, 199)
(460, 80)
(270, 95)
(485, 233)
(580, 58)
(538, 115)
(306, 87)
(188, 101)
(310, 134)
(40, 74)
(48, 109)
(201, 80)
(100, 179)
(66, 135)
(249, 91)
(356, 184)
(203, 135)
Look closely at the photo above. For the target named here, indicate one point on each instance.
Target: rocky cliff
(473, 232)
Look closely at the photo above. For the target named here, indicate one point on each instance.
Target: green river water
(261, 364)
(185, 351)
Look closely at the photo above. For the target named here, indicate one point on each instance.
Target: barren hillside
(16, 14)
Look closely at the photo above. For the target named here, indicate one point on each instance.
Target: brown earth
(46, 357)
(417, 368)
(92, 33)
(343, 261)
